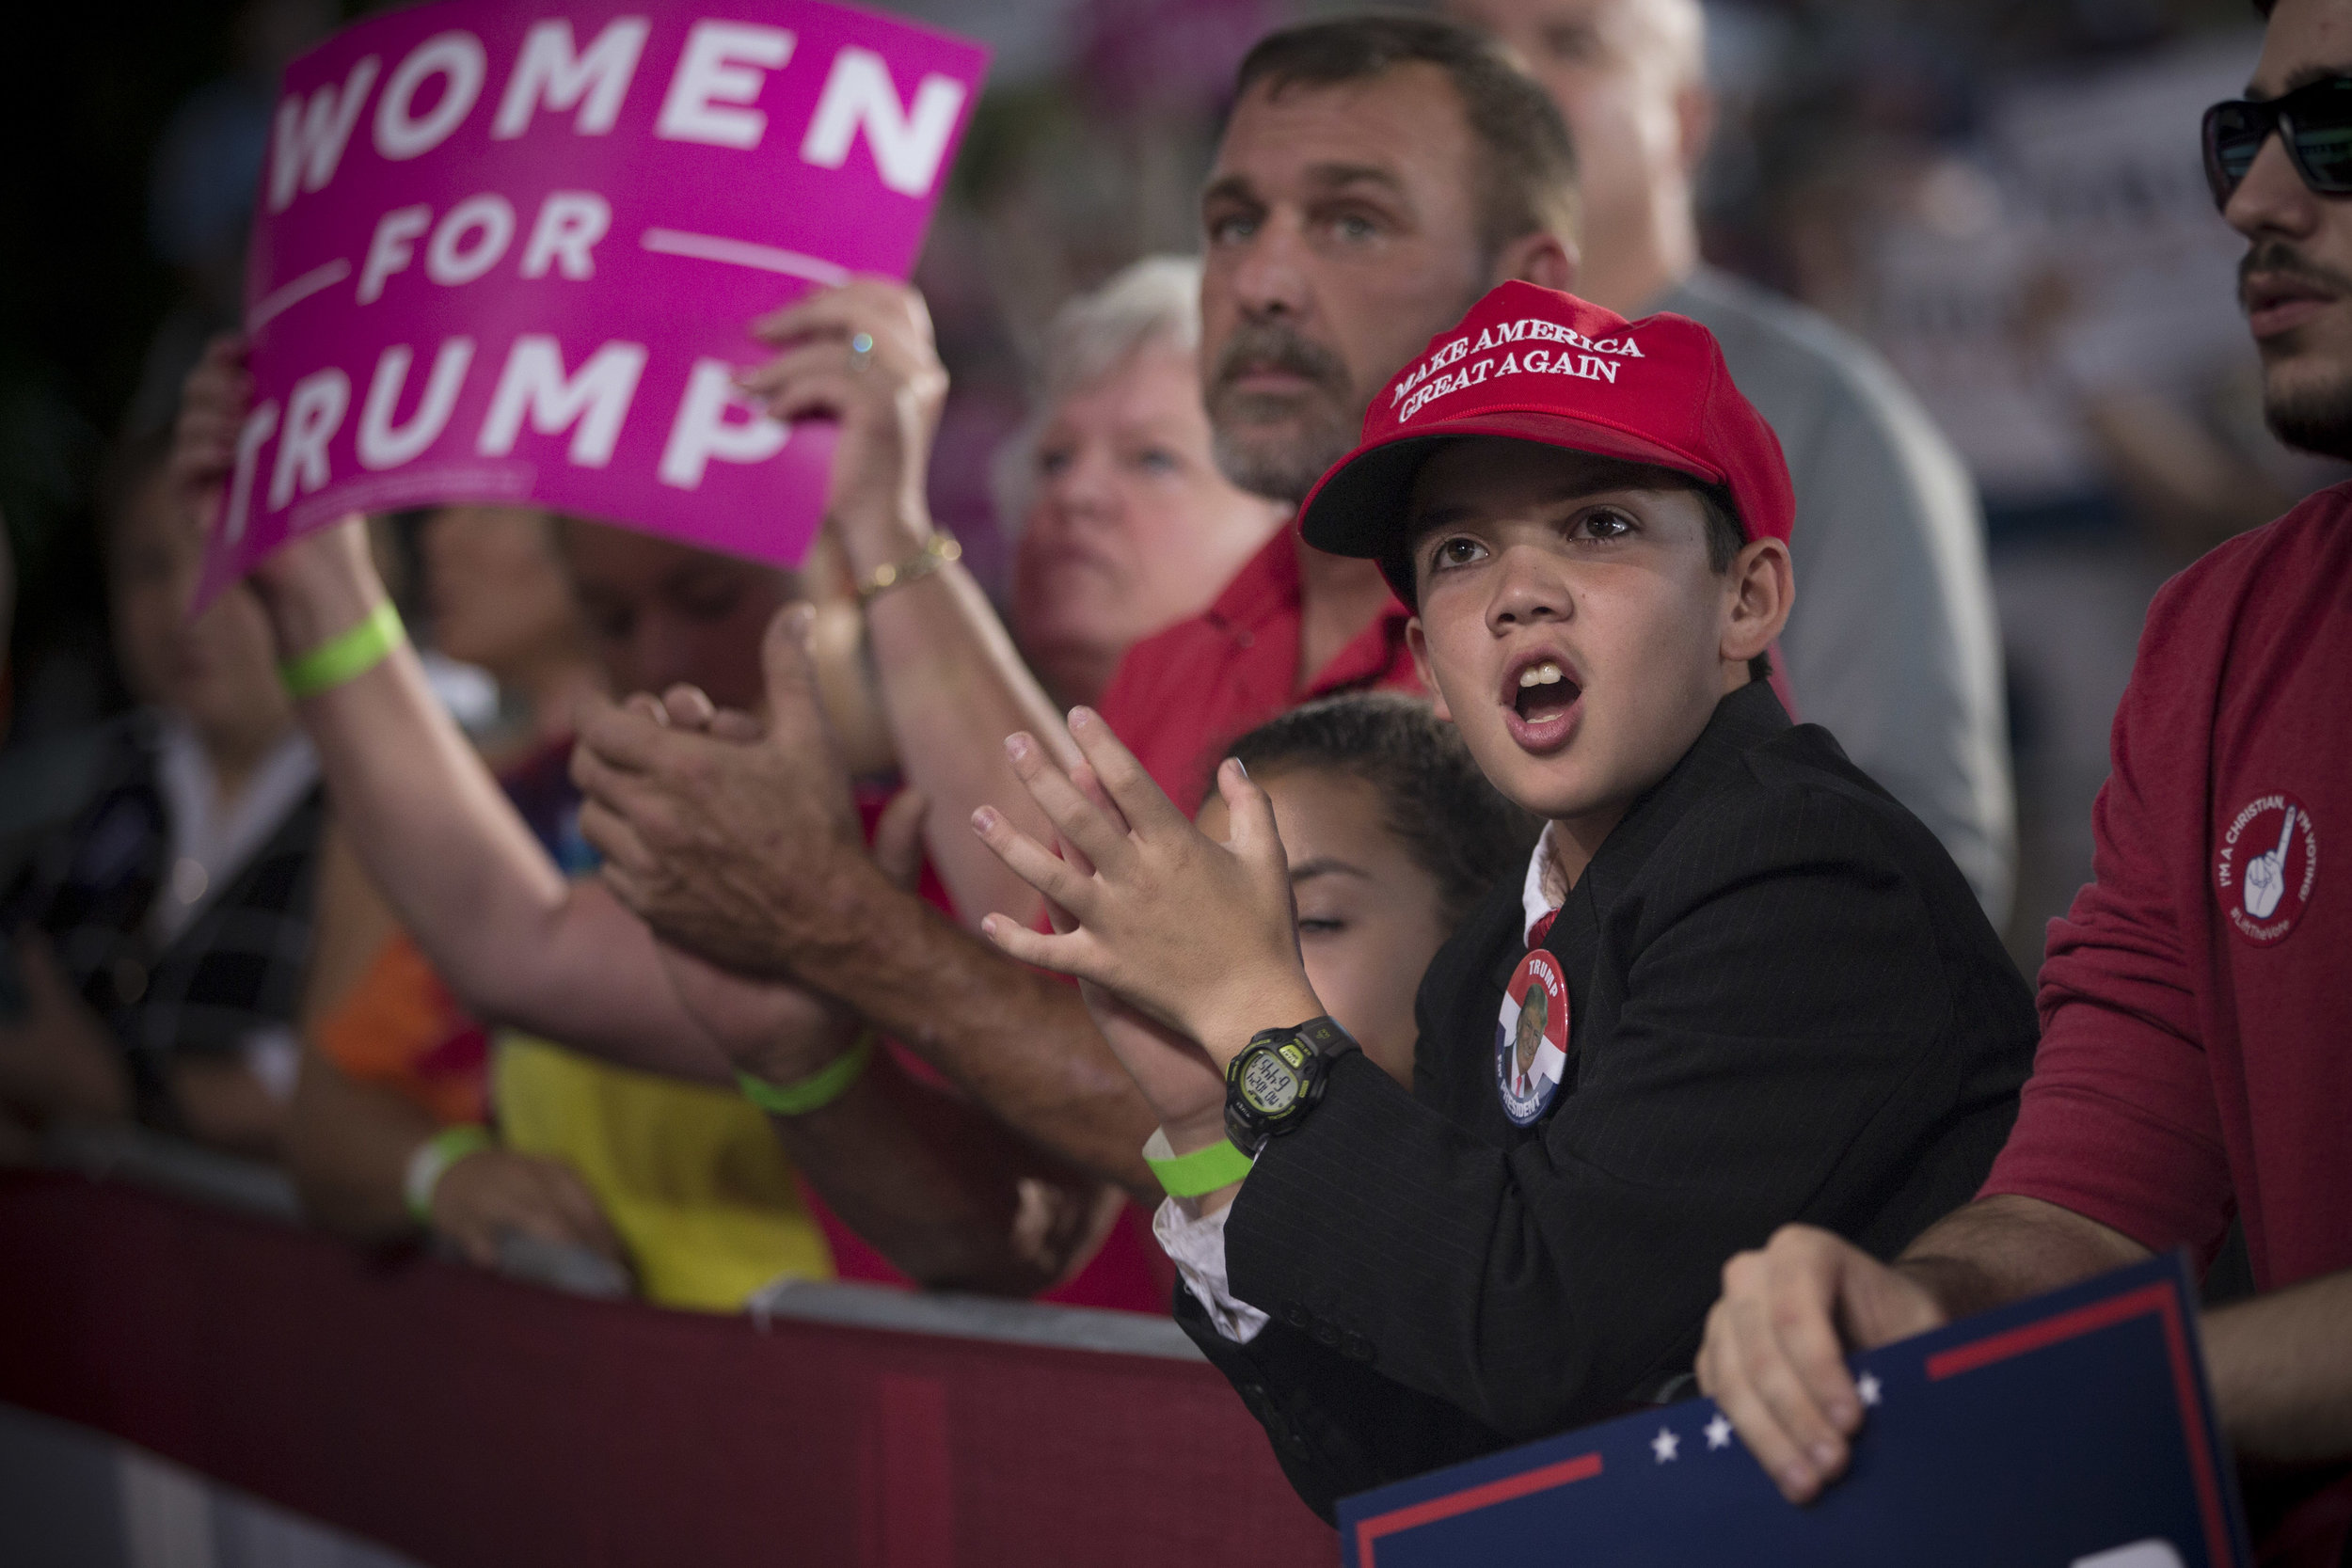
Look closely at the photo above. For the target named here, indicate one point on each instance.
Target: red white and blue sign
(2073, 1430)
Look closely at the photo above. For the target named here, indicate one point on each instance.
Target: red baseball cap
(1539, 364)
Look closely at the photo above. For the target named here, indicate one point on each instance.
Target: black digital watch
(1277, 1078)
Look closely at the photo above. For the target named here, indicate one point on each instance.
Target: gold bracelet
(937, 550)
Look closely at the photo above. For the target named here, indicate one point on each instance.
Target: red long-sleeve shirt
(2196, 1057)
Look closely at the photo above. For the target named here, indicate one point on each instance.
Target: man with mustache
(2193, 1065)
(1377, 176)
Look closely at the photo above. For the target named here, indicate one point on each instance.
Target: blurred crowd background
(2003, 196)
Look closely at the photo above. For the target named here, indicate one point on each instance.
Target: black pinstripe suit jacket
(1786, 1005)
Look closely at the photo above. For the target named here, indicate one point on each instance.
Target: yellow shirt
(691, 1177)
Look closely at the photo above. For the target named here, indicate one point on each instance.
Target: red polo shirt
(2194, 1063)
(1181, 696)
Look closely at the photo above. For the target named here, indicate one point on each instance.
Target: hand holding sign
(862, 353)
(507, 256)
(2072, 1429)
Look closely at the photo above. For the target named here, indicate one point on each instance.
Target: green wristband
(813, 1093)
(347, 657)
(432, 1161)
(1204, 1170)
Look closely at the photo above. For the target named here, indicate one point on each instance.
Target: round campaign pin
(2265, 865)
(1532, 1037)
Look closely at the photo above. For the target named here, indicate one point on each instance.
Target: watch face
(1269, 1084)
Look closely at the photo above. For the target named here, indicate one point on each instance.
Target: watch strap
(1324, 1034)
(1247, 1127)
(1204, 1170)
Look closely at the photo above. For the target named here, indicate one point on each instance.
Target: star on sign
(1664, 1445)
(1719, 1431)
(1867, 1386)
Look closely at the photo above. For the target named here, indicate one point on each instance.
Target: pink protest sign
(509, 251)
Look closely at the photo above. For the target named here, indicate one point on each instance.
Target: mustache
(1267, 345)
(2278, 259)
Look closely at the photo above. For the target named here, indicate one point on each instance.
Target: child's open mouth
(1542, 705)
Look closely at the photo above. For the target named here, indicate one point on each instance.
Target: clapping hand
(1198, 937)
(862, 353)
(1181, 1082)
(736, 838)
(774, 1031)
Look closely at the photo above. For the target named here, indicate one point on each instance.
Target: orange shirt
(399, 1028)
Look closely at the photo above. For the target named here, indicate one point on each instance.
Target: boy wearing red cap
(1738, 983)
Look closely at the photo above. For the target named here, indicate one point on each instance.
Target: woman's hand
(1196, 935)
(862, 353)
(213, 404)
(318, 586)
(494, 1193)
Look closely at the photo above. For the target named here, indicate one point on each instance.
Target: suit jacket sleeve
(1778, 1049)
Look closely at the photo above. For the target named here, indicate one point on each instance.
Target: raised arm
(743, 851)
(948, 1193)
(516, 940)
(952, 684)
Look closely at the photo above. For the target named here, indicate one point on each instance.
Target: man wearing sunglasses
(2195, 1058)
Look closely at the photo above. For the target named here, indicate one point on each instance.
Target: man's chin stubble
(1278, 464)
(2312, 417)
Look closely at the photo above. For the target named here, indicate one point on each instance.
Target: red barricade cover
(466, 1420)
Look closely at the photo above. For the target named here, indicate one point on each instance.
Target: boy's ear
(1542, 259)
(1758, 591)
(1417, 642)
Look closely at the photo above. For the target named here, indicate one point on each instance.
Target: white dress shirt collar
(1544, 889)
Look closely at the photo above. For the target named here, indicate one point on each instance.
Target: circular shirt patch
(1532, 1037)
(2267, 866)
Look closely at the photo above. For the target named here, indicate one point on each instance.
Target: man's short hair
(1453, 821)
(1528, 167)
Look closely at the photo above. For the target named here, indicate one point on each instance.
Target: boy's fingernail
(1241, 767)
(1079, 715)
(984, 818)
(1825, 1455)
(1016, 745)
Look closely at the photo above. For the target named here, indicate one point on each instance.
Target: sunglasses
(2315, 122)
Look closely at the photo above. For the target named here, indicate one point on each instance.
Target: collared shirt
(211, 840)
(1545, 890)
(1184, 695)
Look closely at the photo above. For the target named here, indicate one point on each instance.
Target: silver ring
(861, 350)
